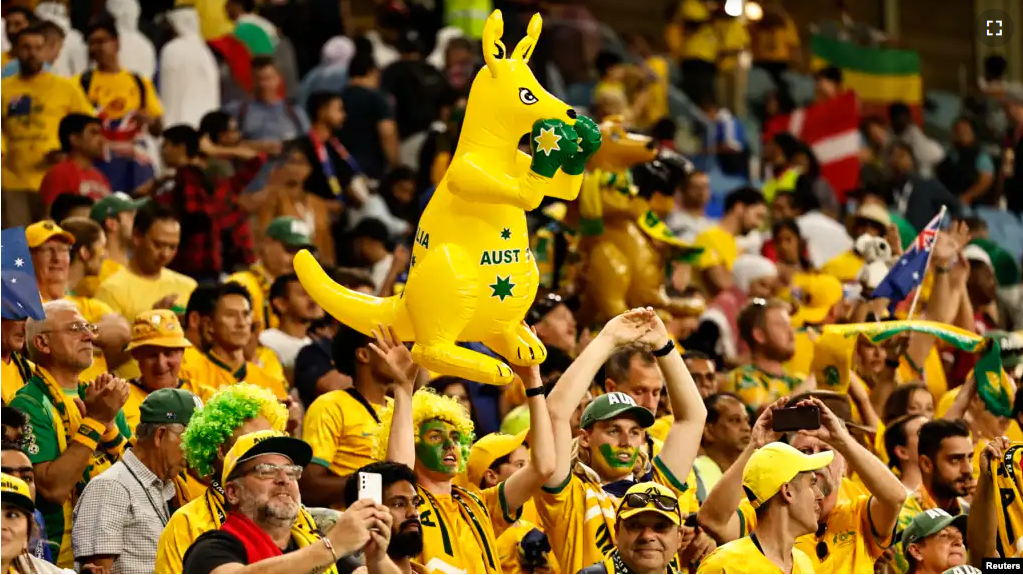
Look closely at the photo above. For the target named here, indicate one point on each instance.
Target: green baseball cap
(114, 204)
(612, 405)
(292, 232)
(930, 522)
(169, 406)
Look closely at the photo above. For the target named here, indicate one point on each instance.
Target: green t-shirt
(43, 446)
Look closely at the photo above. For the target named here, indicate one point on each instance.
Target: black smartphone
(796, 418)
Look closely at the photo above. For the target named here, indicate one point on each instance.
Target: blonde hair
(427, 404)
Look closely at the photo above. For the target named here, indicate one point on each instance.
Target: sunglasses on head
(641, 500)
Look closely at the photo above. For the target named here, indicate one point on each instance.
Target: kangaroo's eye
(527, 97)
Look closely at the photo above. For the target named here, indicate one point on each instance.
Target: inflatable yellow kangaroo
(472, 275)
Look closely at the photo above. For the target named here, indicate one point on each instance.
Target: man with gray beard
(261, 494)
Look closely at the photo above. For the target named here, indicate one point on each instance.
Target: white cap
(975, 253)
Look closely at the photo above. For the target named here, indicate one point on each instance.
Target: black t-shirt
(215, 548)
(317, 182)
(364, 110)
(417, 89)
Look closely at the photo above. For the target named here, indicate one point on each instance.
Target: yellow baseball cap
(774, 465)
(39, 233)
(816, 294)
(16, 493)
(158, 327)
(266, 442)
(489, 449)
(650, 497)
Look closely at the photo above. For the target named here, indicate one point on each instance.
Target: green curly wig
(215, 422)
(427, 404)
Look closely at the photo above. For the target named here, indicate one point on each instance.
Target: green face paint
(435, 440)
(610, 455)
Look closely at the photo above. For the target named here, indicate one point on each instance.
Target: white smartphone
(371, 486)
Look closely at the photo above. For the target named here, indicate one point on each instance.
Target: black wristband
(534, 391)
(664, 350)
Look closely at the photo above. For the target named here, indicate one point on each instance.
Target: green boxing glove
(552, 142)
(589, 142)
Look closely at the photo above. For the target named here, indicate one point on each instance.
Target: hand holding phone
(797, 418)
(371, 486)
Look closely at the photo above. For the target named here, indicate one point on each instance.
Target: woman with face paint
(577, 505)
(433, 434)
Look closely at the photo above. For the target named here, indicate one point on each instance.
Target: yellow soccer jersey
(458, 533)
(32, 109)
(14, 375)
(852, 546)
(744, 556)
(579, 516)
(90, 284)
(719, 248)
(340, 426)
(129, 294)
(208, 374)
(268, 361)
(757, 388)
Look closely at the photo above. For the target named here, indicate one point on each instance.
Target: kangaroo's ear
(524, 49)
(493, 48)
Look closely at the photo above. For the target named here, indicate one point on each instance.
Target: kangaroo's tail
(359, 311)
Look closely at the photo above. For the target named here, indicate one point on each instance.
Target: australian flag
(20, 297)
(908, 273)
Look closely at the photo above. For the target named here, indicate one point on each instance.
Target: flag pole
(919, 288)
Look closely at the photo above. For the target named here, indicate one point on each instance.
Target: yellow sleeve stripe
(679, 485)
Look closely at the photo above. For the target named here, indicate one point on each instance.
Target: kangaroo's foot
(519, 345)
(450, 359)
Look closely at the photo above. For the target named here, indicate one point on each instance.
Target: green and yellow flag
(879, 76)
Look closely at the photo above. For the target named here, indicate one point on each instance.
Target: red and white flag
(831, 129)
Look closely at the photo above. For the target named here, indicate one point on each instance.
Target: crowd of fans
(182, 405)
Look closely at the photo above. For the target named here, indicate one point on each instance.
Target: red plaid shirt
(215, 233)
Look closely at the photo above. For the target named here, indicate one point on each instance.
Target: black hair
(183, 135)
(833, 73)
(28, 14)
(373, 229)
(213, 124)
(693, 354)
(712, 401)
(746, 196)
(103, 21)
(1017, 404)
(74, 125)
(664, 129)
(995, 66)
(35, 28)
(975, 223)
(788, 144)
(793, 226)
(898, 401)
(13, 417)
(933, 433)
(898, 109)
(353, 278)
(390, 473)
(362, 65)
(318, 101)
(231, 288)
(279, 288)
(262, 61)
(895, 436)
(149, 214)
(7, 444)
(67, 202)
(247, 6)
(607, 60)
(202, 301)
(346, 342)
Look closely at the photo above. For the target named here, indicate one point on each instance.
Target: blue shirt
(13, 68)
(279, 121)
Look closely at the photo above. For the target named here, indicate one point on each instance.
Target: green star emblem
(503, 287)
(505, 234)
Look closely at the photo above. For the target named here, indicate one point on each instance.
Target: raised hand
(351, 532)
(105, 397)
(993, 451)
(763, 429)
(658, 334)
(589, 142)
(396, 356)
(379, 536)
(949, 242)
(629, 326)
(832, 430)
(552, 142)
